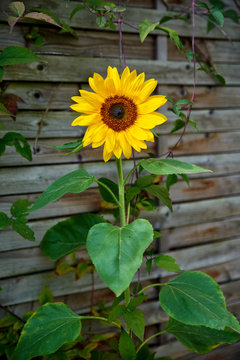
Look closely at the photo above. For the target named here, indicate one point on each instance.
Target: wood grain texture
(78, 69)
(83, 19)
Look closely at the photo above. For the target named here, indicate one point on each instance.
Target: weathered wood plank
(57, 124)
(190, 144)
(192, 258)
(85, 43)
(35, 179)
(45, 153)
(105, 44)
(83, 19)
(78, 69)
(199, 233)
(36, 96)
(216, 51)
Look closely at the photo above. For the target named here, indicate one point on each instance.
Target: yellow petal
(125, 74)
(148, 87)
(109, 87)
(106, 155)
(86, 120)
(92, 98)
(151, 104)
(113, 74)
(149, 121)
(97, 84)
(83, 106)
(117, 151)
(126, 147)
(138, 132)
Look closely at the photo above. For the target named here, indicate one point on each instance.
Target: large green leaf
(74, 182)
(194, 298)
(117, 252)
(200, 339)
(68, 235)
(51, 326)
(170, 166)
(13, 55)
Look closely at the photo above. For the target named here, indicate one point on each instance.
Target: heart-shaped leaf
(117, 252)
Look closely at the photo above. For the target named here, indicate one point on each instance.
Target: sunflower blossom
(119, 113)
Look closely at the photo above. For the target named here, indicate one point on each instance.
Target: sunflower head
(119, 113)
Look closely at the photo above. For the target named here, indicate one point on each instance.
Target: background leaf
(103, 191)
(170, 166)
(145, 27)
(126, 347)
(136, 322)
(24, 230)
(5, 221)
(166, 262)
(17, 7)
(45, 296)
(200, 339)
(73, 182)
(19, 142)
(161, 193)
(13, 55)
(68, 235)
(51, 326)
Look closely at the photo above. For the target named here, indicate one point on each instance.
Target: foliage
(194, 302)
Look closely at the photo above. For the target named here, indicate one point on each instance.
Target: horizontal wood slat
(83, 19)
(78, 69)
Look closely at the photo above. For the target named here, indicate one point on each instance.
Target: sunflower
(119, 113)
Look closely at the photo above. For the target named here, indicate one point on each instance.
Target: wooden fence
(202, 232)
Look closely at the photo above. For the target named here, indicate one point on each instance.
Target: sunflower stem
(121, 192)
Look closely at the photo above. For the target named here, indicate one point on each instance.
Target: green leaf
(126, 347)
(73, 182)
(136, 301)
(1, 73)
(17, 8)
(68, 235)
(4, 111)
(46, 296)
(19, 208)
(5, 221)
(24, 230)
(20, 143)
(210, 25)
(76, 9)
(218, 4)
(144, 181)
(156, 234)
(173, 36)
(178, 124)
(132, 192)
(145, 27)
(200, 339)
(184, 102)
(232, 14)
(218, 17)
(105, 193)
(117, 312)
(117, 252)
(170, 166)
(193, 123)
(136, 322)
(51, 326)
(171, 180)
(194, 298)
(161, 193)
(75, 145)
(166, 262)
(203, 5)
(185, 178)
(101, 21)
(13, 55)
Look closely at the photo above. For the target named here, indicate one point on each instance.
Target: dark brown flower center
(118, 112)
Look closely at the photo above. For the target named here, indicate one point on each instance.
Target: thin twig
(6, 308)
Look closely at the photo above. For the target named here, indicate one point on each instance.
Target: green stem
(109, 190)
(121, 192)
(150, 338)
(130, 173)
(149, 286)
(99, 318)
